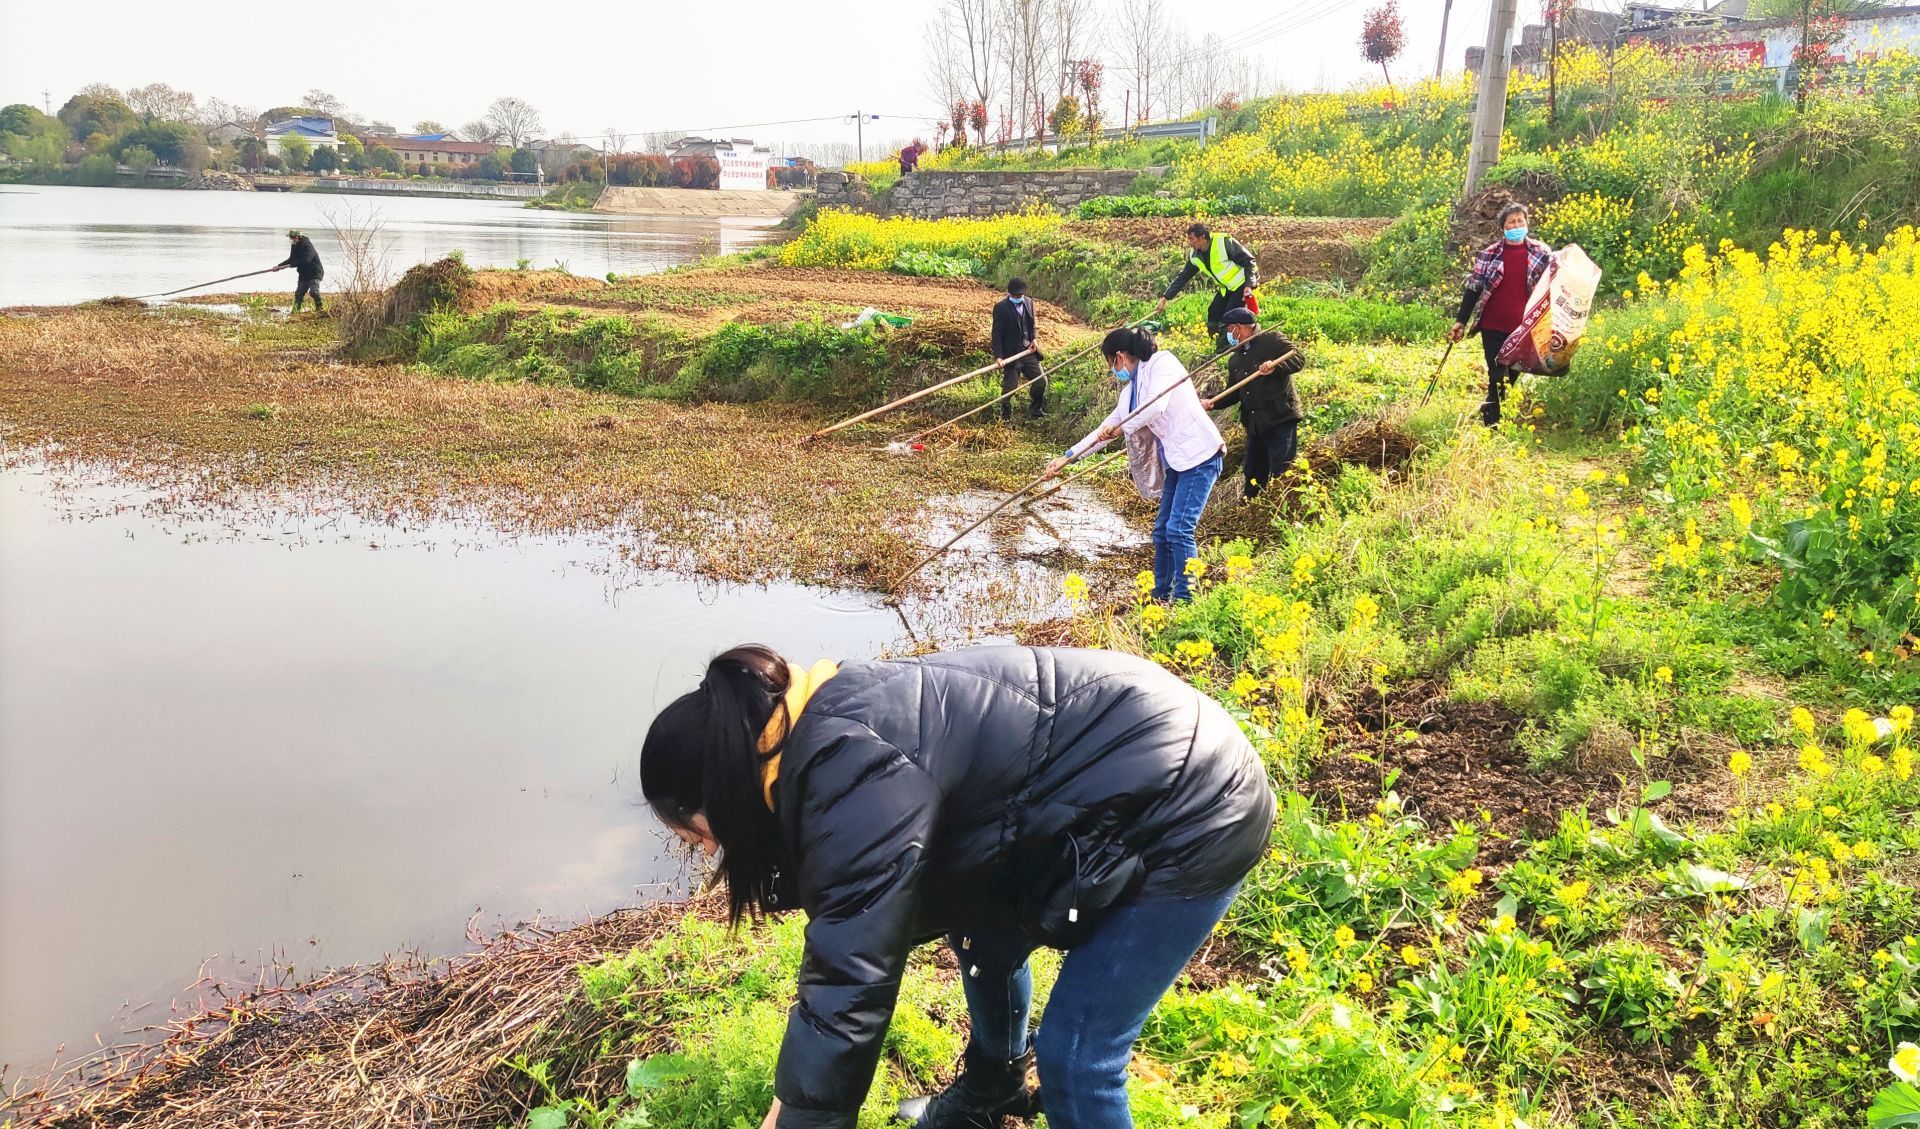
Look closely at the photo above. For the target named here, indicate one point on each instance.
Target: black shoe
(987, 1092)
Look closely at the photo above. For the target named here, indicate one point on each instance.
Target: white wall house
(316, 132)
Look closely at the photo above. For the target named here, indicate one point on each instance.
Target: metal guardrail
(1199, 129)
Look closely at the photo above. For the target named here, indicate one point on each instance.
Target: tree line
(102, 127)
(1009, 69)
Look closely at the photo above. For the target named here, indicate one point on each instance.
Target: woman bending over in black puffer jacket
(1004, 798)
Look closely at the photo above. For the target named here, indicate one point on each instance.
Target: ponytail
(702, 757)
(1128, 339)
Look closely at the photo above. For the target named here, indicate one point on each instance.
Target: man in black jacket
(1269, 405)
(1015, 331)
(1227, 265)
(305, 262)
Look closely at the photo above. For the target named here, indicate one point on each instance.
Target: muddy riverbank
(216, 410)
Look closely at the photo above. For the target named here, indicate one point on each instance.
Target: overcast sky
(638, 66)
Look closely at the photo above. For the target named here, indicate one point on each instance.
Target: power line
(688, 130)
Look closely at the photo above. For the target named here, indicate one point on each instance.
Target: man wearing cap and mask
(305, 262)
(1269, 406)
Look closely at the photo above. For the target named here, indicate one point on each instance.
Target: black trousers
(308, 286)
(1217, 309)
(1012, 376)
(1498, 375)
(1270, 451)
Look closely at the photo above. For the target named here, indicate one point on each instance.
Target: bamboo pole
(1473, 323)
(1017, 494)
(204, 285)
(912, 396)
(1058, 365)
(1064, 479)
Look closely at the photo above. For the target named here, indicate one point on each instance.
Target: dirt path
(701, 299)
(1288, 248)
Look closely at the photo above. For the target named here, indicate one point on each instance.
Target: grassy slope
(1514, 876)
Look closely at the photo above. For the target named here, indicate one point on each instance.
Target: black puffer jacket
(916, 798)
(304, 258)
(1270, 400)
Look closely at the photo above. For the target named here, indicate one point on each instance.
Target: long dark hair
(702, 757)
(1128, 339)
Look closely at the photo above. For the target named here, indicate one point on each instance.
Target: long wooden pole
(1017, 389)
(912, 396)
(1473, 323)
(204, 285)
(1017, 494)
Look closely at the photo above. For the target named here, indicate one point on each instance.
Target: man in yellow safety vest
(1227, 265)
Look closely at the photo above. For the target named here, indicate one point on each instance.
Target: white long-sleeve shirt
(1185, 432)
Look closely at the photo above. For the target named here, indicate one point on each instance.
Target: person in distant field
(1016, 331)
(910, 157)
(1503, 274)
(307, 270)
(1269, 405)
(1227, 265)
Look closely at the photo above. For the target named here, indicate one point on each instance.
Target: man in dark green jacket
(1269, 405)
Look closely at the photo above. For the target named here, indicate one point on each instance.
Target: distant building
(438, 149)
(714, 146)
(1722, 31)
(230, 132)
(316, 132)
(743, 165)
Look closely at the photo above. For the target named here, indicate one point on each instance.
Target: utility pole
(1440, 61)
(46, 99)
(1553, 62)
(860, 121)
(1490, 115)
(1806, 52)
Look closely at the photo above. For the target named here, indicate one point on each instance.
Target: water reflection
(301, 738)
(65, 244)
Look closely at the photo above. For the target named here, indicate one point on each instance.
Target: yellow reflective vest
(1226, 274)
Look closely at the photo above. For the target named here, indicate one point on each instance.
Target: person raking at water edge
(1228, 265)
(305, 261)
(1016, 331)
(1503, 275)
(1173, 448)
(1004, 798)
(1269, 405)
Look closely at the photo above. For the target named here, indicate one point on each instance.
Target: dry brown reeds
(399, 1043)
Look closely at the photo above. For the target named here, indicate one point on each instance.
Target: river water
(298, 739)
(60, 245)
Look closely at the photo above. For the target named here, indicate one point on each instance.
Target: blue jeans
(1181, 499)
(1108, 985)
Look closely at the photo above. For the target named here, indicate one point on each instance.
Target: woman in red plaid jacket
(1503, 275)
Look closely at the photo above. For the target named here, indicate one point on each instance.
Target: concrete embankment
(469, 189)
(697, 202)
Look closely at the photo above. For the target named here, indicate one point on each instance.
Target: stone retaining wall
(943, 193)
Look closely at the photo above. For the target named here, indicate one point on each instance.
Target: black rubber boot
(987, 1092)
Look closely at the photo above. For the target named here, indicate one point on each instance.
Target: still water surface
(60, 245)
(312, 740)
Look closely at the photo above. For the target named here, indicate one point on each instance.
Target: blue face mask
(1516, 234)
(1122, 375)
